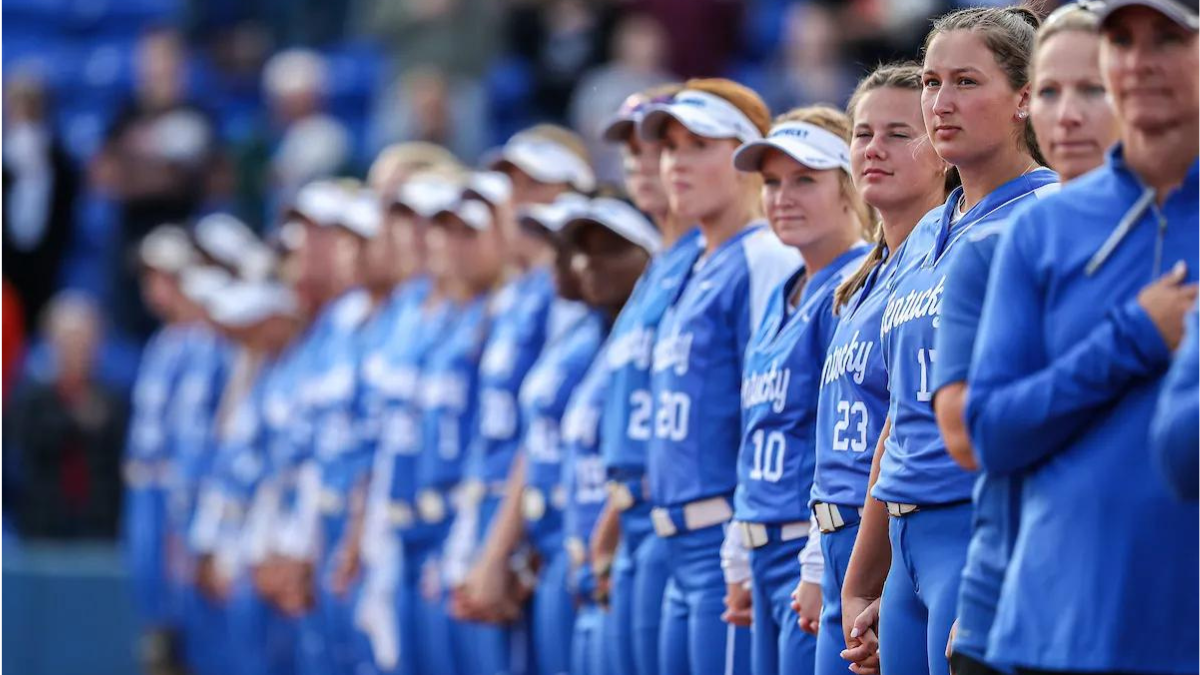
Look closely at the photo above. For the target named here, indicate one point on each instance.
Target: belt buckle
(896, 509)
(754, 535)
(400, 514)
(576, 551)
(663, 525)
(621, 495)
(533, 504)
(824, 518)
(431, 506)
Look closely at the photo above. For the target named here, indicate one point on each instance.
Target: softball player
(968, 92)
(615, 242)
(812, 206)
(1074, 122)
(638, 565)
(898, 173)
(1085, 301)
(698, 360)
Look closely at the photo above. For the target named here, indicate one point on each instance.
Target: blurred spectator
(40, 186)
(810, 67)
(639, 54)
(159, 162)
(562, 39)
(703, 34)
(13, 326)
(306, 142)
(67, 433)
(426, 105)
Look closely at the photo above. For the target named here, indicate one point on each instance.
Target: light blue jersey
(583, 467)
(1062, 386)
(629, 412)
(780, 385)
(698, 365)
(520, 315)
(915, 468)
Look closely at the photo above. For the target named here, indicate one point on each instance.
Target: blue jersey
(1177, 417)
(545, 394)
(448, 396)
(583, 468)
(996, 498)
(853, 402)
(628, 419)
(157, 379)
(779, 395)
(916, 468)
(698, 364)
(520, 315)
(1066, 373)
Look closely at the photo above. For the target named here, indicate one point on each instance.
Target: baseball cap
(428, 194)
(1182, 12)
(806, 143)
(321, 202)
(545, 160)
(622, 219)
(362, 215)
(167, 249)
(552, 217)
(201, 283)
(472, 212)
(492, 187)
(703, 114)
(624, 123)
(245, 303)
(232, 243)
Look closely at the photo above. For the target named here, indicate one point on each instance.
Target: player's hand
(487, 592)
(806, 602)
(950, 640)
(602, 573)
(1167, 300)
(860, 619)
(738, 605)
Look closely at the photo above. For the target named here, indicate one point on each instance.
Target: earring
(1021, 114)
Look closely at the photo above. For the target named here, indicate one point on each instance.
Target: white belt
(829, 517)
(622, 496)
(576, 551)
(696, 515)
(400, 514)
(897, 509)
(756, 535)
(329, 502)
(431, 505)
(534, 502)
(473, 492)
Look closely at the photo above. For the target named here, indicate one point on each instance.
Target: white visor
(703, 114)
(244, 304)
(321, 202)
(473, 212)
(233, 244)
(553, 217)
(806, 143)
(201, 284)
(363, 215)
(624, 123)
(492, 187)
(426, 195)
(622, 219)
(544, 161)
(167, 249)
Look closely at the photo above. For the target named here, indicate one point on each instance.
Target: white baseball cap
(621, 218)
(362, 215)
(321, 202)
(545, 160)
(203, 282)
(806, 143)
(245, 303)
(167, 249)
(703, 114)
(492, 187)
(473, 212)
(428, 194)
(552, 217)
(1182, 12)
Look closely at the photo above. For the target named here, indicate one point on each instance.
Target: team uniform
(584, 480)
(995, 498)
(543, 399)
(1173, 434)
(698, 362)
(639, 572)
(1062, 388)
(926, 493)
(777, 457)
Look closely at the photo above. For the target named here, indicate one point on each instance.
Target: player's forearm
(508, 527)
(949, 406)
(872, 554)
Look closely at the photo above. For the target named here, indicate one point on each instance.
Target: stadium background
(230, 105)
